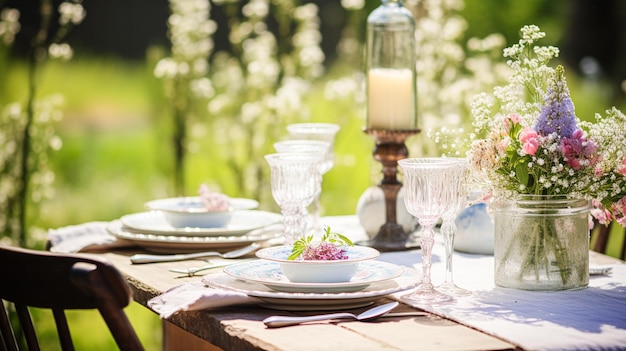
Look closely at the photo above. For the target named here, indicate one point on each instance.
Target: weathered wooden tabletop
(240, 328)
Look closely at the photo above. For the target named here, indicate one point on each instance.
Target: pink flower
(529, 140)
(530, 147)
(578, 147)
(619, 208)
(527, 134)
(598, 172)
(213, 201)
(598, 211)
(511, 120)
(578, 134)
(574, 163)
(325, 251)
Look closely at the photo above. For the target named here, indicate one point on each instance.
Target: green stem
(560, 254)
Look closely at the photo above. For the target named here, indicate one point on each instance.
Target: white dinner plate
(314, 301)
(270, 274)
(241, 222)
(163, 243)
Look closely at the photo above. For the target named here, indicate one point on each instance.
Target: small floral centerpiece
(544, 167)
(331, 247)
(213, 201)
(333, 258)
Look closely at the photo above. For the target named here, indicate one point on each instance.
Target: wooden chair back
(601, 234)
(59, 282)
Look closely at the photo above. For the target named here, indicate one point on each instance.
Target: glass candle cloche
(390, 68)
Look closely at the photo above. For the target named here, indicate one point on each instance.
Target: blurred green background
(116, 150)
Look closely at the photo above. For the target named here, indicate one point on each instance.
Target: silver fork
(193, 270)
(190, 272)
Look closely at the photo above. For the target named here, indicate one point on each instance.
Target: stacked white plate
(153, 232)
(264, 280)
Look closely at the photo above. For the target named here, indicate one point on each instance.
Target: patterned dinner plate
(269, 274)
(289, 301)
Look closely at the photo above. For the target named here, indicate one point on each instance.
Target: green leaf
(295, 254)
(344, 240)
(301, 244)
(521, 172)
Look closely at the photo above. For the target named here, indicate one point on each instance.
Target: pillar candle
(390, 99)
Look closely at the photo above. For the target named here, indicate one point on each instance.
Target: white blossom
(71, 13)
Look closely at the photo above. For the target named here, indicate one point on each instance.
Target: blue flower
(557, 114)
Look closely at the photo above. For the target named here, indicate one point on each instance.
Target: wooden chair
(59, 282)
(601, 234)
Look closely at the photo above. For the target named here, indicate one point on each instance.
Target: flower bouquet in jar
(546, 169)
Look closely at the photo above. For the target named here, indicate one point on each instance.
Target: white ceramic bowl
(181, 212)
(308, 271)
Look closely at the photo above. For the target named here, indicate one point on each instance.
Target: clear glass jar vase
(542, 243)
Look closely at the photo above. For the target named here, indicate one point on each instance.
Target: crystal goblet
(317, 147)
(426, 197)
(321, 132)
(295, 182)
(307, 146)
(457, 199)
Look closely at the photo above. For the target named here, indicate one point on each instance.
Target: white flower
(9, 25)
(255, 8)
(61, 51)
(73, 13)
(352, 4)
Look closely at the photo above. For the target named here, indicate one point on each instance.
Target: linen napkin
(196, 296)
(85, 237)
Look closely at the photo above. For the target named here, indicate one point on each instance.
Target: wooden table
(240, 328)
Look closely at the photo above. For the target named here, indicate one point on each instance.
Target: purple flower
(325, 251)
(557, 114)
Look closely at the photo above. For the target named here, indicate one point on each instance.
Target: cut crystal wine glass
(457, 199)
(307, 146)
(317, 147)
(295, 183)
(426, 182)
(322, 132)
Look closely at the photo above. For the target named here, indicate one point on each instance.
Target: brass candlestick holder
(389, 149)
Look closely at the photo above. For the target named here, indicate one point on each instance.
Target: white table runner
(588, 319)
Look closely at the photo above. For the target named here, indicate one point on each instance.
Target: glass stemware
(322, 132)
(317, 147)
(295, 183)
(307, 146)
(457, 199)
(426, 182)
